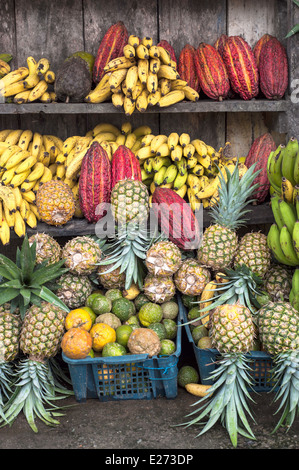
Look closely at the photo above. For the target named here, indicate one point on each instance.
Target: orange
(78, 318)
(105, 373)
(76, 343)
(102, 334)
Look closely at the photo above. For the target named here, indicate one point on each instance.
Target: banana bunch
(283, 170)
(189, 167)
(29, 84)
(144, 76)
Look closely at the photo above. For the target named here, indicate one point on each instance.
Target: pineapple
(278, 324)
(254, 252)
(81, 255)
(278, 282)
(114, 279)
(55, 202)
(130, 201)
(232, 334)
(158, 289)
(191, 277)
(47, 248)
(220, 241)
(163, 258)
(40, 337)
(73, 289)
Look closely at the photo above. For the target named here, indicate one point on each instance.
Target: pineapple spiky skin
(47, 248)
(130, 201)
(55, 202)
(111, 280)
(42, 331)
(81, 255)
(278, 282)
(254, 252)
(232, 328)
(191, 277)
(218, 248)
(158, 289)
(278, 324)
(74, 290)
(10, 327)
(163, 258)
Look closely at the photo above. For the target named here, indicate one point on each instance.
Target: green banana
(276, 211)
(288, 214)
(180, 181)
(286, 244)
(291, 296)
(272, 177)
(182, 166)
(278, 158)
(289, 157)
(295, 236)
(170, 174)
(296, 169)
(159, 176)
(295, 282)
(159, 161)
(273, 241)
(148, 165)
(6, 57)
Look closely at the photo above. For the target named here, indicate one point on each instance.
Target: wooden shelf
(260, 214)
(201, 106)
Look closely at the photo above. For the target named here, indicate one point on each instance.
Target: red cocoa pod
(211, 72)
(241, 67)
(124, 165)
(186, 67)
(175, 218)
(258, 155)
(95, 183)
(111, 47)
(169, 48)
(219, 44)
(273, 68)
(258, 47)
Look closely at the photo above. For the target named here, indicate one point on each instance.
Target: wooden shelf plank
(201, 106)
(260, 214)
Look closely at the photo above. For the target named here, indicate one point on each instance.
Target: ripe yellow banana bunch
(30, 83)
(144, 76)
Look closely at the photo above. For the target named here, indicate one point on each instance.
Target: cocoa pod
(186, 67)
(273, 69)
(124, 165)
(169, 48)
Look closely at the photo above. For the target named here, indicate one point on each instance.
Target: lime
(122, 334)
(140, 300)
(167, 347)
(101, 304)
(204, 343)
(170, 327)
(187, 375)
(188, 300)
(123, 309)
(150, 313)
(133, 320)
(170, 309)
(198, 332)
(159, 329)
(91, 298)
(91, 313)
(113, 349)
(113, 294)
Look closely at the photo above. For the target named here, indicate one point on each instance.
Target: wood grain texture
(8, 32)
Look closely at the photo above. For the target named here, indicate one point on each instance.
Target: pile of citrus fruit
(112, 325)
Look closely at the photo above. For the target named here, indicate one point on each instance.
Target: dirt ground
(143, 425)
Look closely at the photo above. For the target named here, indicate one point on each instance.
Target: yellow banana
(4, 68)
(142, 101)
(13, 137)
(29, 196)
(133, 41)
(24, 209)
(165, 71)
(154, 65)
(42, 67)
(131, 78)
(137, 89)
(177, 153)
(157, 141)
(105, 127)
(287, 190)
(184, 139)
(120, 139)
(47, 176)
(142, 51)
(205, 161)
(129, 51)
(182, 191)
(25, 139)
(104, 136)
(18, 197)
(119, 63)
(126, 127)
(33, 209)
(152, 82)
(31, 81)
(36, 172)
(16, 159)
(69, 144)
(26, 186)
(159, 176)
(8, 197)
(143, 70)
(5, 232)
(163, 150)
(26, 164)
(180, 180)
(144, 152)
(148, 165)
(165, 86)
(173, 140)
(178, 84)
(13, 89)
(171, 98)
(37, 141)
(192, 163)
(164, 55)
(117, 77)
(129, 106)
(136, 146)
(75, 164)
(190, 93)
(46, 97)
(31, 64)
(4, 133)
(49, 76)
(21, 97)
(99, 95)
(9, 216)
(53, 96)
(146, 139)
(60, 159)
(198, 169)
(19, 178)
(13, 77)
(19, 225)
(154, 98)
(3, 146)
(147, 41)
(31, 220)
(154, 51)
(170, 174)
(200, 147)
(194, 203)
(130, 140)
(118, 100)
(8, 176)
(38, 91)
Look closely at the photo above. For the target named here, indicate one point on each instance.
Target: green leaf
(14, 283)
(45, 294)
(293, 31)
(8, 295)
(13, 272)
(26, 294)
(47, 273)
(27, 262)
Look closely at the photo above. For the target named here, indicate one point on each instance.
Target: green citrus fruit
(204, 343)
(150, 313)
(140, 300)
(122, 334)
(91, 313)
(123, 309)
(187, 375)
(170, 327)
(133, 321)
(188, 300)
(101, 304)
(91, 353)
(91, 298)
(159, 328)
(113, 349)
(167, 347)
(113, 294)
(170, 309)
(198, 332)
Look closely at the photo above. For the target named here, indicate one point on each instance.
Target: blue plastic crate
(129, 377)
(261, 363)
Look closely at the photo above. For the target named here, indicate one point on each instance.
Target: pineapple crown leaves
(25, 282)
(227, 399)
(295, 28)
(233, 196)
